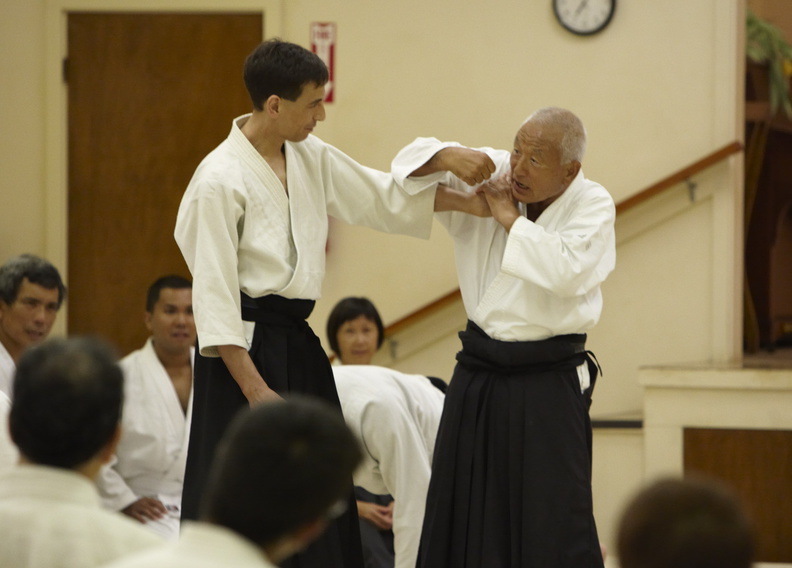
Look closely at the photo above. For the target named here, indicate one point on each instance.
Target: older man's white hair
(573, 141)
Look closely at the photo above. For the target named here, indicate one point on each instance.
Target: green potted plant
(765, 45)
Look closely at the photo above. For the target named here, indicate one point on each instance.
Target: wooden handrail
(423, 312)
(679, 176)
(629, 203)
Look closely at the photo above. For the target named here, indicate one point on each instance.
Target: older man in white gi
(31, 293)
(145, 479)
(511, 478)
(395, 415)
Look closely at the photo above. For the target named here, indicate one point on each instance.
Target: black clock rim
(596, 30)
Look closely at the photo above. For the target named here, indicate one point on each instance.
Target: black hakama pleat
(290, 357)
(511, 474)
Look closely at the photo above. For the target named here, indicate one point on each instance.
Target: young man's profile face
(297, 119)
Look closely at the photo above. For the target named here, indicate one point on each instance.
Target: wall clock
(584, 17)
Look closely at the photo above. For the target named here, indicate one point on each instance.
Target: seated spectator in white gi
(396, 416)
(68, 395)
(280, 474)
(145, 479)
(8, 451)
(31, 293)
(685, 523)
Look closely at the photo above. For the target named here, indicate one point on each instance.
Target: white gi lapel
(159, 382)
(273, 196)
(308, 216)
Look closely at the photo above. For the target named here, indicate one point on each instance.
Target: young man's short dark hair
(685, 523)
(281, 68)
(281, 465)
(170, 281)
(68, 395)
(349, 309)
(36, 270)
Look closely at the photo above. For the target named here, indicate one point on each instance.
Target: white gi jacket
(7, 370)
(8, 451)
(395, 416)
(51, 518)
(238, 230)
(201, 545)
(541, 279)
(152, 452)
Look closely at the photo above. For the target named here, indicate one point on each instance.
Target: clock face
(584, 17)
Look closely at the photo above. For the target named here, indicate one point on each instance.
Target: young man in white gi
(146, 476)
(252, 227)
(281, 475)
(31, 293)
(68, 395)
(511, 478)
(395, 416)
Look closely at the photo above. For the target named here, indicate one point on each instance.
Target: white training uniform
(7, 370)
(52, 518)
(152, 453)
(239, 230)
(202, 545)
(513, 285)
(8, 451)
(395, 416)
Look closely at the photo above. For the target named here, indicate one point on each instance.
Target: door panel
(150, 94)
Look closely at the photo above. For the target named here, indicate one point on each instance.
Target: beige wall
(22, 116)
(657, 90)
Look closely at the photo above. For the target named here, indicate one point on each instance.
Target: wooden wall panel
(757, 464)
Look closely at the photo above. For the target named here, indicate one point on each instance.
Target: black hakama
(511, 474)
(290, 357)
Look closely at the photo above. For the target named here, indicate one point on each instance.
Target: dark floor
(779, 358)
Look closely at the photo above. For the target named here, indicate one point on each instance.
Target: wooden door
(149, 95)
(757, 465)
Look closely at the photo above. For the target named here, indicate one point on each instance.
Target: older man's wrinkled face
(538, 176)
(29, 318)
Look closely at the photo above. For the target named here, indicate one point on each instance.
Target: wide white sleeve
(572, 260)
(115, 493)
(420, 151)
(207, 232)
(364, 196)
(415, 155)
(8, 451)
(395, 442)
